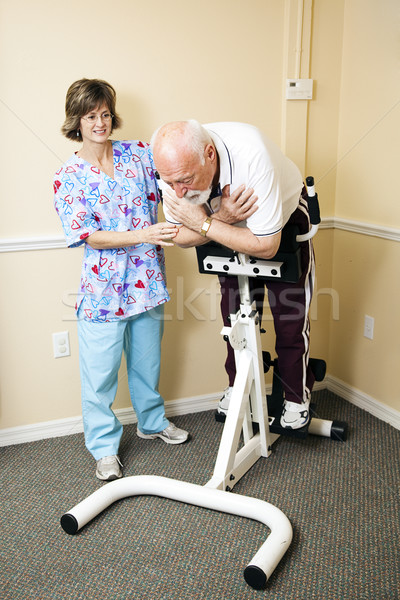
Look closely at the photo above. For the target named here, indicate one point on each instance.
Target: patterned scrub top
(122, 282)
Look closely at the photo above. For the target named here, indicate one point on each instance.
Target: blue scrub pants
(100, 351)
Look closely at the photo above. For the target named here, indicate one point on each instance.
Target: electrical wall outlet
(369, 327)
(61, 344)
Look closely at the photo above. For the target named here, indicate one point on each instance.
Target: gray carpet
(341, 498)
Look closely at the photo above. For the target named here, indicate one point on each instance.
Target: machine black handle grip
(313, 210)
(310, 181)
(312, 201)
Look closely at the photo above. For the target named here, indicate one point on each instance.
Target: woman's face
(96, 125)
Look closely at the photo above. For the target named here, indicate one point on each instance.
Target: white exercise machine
(248, 415)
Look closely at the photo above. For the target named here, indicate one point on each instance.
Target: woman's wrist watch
(206, 226)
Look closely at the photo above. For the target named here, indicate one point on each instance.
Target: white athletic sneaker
(295, 416)
(108, 468)
(223, 404)
(170, 435)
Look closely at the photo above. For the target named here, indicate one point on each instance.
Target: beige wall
(365, 268)
(224, 60)
(368, 149)
(366, 279)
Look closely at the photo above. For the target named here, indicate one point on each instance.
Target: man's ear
(210, 153)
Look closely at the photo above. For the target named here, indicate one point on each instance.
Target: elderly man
(227, 183)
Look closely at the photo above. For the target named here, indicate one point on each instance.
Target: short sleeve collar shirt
(246, 157)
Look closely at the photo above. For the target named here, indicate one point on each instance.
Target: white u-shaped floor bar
(265, 560)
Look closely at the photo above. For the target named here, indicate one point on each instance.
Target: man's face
(196, 197)
(188, 177)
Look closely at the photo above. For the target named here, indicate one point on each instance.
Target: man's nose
(180, 190)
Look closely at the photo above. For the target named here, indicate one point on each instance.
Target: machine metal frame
(247, 415)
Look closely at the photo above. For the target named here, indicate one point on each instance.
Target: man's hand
(238, 206)
(235, 207)
(182, 211)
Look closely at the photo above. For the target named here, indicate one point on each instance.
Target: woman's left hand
(159, 234)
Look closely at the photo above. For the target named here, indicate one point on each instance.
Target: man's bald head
(180, 139)
(186, 158)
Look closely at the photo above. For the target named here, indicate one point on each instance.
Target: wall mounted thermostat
(299, 89)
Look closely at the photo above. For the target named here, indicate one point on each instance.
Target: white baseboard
(363, 400)
(72, 425)
(184, 406)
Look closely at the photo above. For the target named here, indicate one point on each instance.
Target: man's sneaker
(170, 435)
(295, 416)
(109, 468)
(223, 404)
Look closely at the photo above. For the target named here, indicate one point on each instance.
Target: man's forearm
(186, 238)
(241, 239)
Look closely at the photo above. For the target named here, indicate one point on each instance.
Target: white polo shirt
(247, 157)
